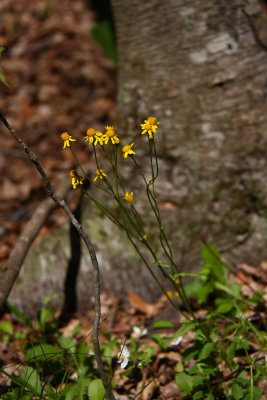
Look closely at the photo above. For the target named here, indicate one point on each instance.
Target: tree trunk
(201, 68)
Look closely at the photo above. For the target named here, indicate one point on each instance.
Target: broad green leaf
(6, 326)
(67, 344)
(184, 382)
(206, 350)
(43, 352)
(226, 307)
(197, 380)
(31, 379)
(163, 324)
(232, 290)
(237, 391)
(96, 390)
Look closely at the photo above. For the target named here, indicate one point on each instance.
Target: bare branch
(89, 246)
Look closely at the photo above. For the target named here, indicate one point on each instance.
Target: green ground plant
(225, 357)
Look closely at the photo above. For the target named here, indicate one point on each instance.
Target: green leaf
(198, 395)
(209, 397)
(187, 326)
(19, 314)
(6, 327)
(161, 341)
(237, 391)
(242, 378)
(2, 77)
(204, 291)
(192, 352)
(31, 380)
(232, 290)
(163, 324)
(193, 287)
(96, 390)
(68, 344)
(206, 350)
(184, 382)
(226, 307)
(197, 380)
(103, 34)
(43, 352)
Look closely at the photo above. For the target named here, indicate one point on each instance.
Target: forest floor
(60, 80)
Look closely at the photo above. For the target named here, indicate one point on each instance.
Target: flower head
(110, 134)
(123, 356)
(98, 138)
(90, 133)
(99, 174)
(127, 150)
(93, 135)
(138, 332)
(129, 197)
(172, 294)
(176, 341)
(67, 139)
(150, 126)
(75, 178)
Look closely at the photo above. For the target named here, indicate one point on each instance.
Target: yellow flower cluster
(94, 137)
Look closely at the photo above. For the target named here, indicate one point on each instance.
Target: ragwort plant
(224, 332)
(226, 359)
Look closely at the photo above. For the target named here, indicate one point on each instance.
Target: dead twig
(89, 245)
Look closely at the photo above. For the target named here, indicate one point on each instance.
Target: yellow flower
(171, 294)
(90, 133)
(93, 135)
(110, 134)
(129, 197)
(67, 139)
(98, 138)
(150, 126)
(75, 178)
(99, 174)
(127, 150)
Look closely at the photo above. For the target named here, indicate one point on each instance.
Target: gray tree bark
(201, 68)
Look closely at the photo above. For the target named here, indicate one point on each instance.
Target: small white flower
(139, 332)
(176, 341)
(123, 356)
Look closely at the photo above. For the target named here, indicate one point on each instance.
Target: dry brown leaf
(249, 270)
(147, 308)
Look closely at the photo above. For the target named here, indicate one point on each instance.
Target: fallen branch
(89, 246)
(9, 273)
